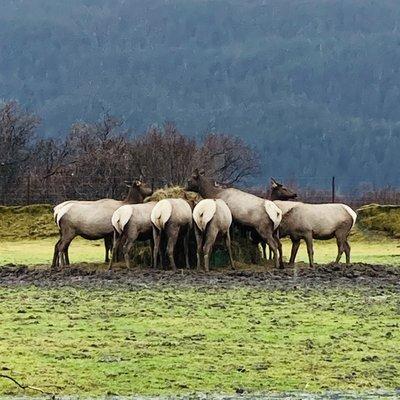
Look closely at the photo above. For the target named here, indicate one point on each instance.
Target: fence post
(333, 189)
(28, 189)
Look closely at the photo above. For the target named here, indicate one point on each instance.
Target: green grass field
(181, 340)
(176, 339)
(374, 250)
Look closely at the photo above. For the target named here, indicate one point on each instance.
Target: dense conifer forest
(313, 84)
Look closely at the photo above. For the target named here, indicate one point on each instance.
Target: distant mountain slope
(315, 84)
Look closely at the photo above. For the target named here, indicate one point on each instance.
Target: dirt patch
(329, 275)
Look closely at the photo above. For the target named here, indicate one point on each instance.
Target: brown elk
(91, 220)
(248, 210)
(212, 219)
(131, 222)
(313, 221)
(172, 218)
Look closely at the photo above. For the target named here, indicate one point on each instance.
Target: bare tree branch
(26, 387)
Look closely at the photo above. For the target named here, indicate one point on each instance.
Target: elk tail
(61, 212)
(161, 213)
(352, 213)
(274, 213)
(204, 212)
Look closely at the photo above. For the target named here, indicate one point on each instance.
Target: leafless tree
(95, 159)
(99, 155)
(228, 158)
(49, 160)
(17, 129)
(164, 156)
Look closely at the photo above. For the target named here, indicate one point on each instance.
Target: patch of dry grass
(23, 222)
(381, 218)
(175, 192)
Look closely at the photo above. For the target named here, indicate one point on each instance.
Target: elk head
(280, 192)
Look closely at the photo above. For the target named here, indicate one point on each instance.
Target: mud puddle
(288, 278)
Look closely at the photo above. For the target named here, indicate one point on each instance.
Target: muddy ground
(329, 275)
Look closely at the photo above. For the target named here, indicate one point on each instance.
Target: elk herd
(169, 221)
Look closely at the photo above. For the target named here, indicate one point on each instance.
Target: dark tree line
(314, 84)
(95, 159)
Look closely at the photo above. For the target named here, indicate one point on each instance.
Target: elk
(91, 220)
(278, 192)
(133, 222)
(57, 216)
(252, 212)
(171, 218)
(314, 221)
(212, 218)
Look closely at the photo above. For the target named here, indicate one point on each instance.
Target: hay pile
(23, 222)
(382, 218)
(175, 192)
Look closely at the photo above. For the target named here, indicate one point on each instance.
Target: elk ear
(195, 174)
(142, 173)
(274, 184)
(137, 183)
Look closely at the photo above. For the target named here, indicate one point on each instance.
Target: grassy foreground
(180, 340)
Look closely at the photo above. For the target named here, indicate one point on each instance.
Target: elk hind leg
(186, 246)
(127, 252)
(341, 240)
(172, 235)
(156, 246)
(207, 248)
(347, 250)
(266, 234)
(310, 249)
(108, 245)
(280, 251)
(56, 261)
(340, 245)
(66, 238)
(199, 243)
(114, 251)
(229, 247)
(295, 249)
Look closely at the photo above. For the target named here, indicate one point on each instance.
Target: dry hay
(23, 222)
(382, 218)
(174, 192)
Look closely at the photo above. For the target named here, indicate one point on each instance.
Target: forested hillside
(314, 84)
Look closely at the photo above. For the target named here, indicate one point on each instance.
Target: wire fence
(56, 189)
(327, 189)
